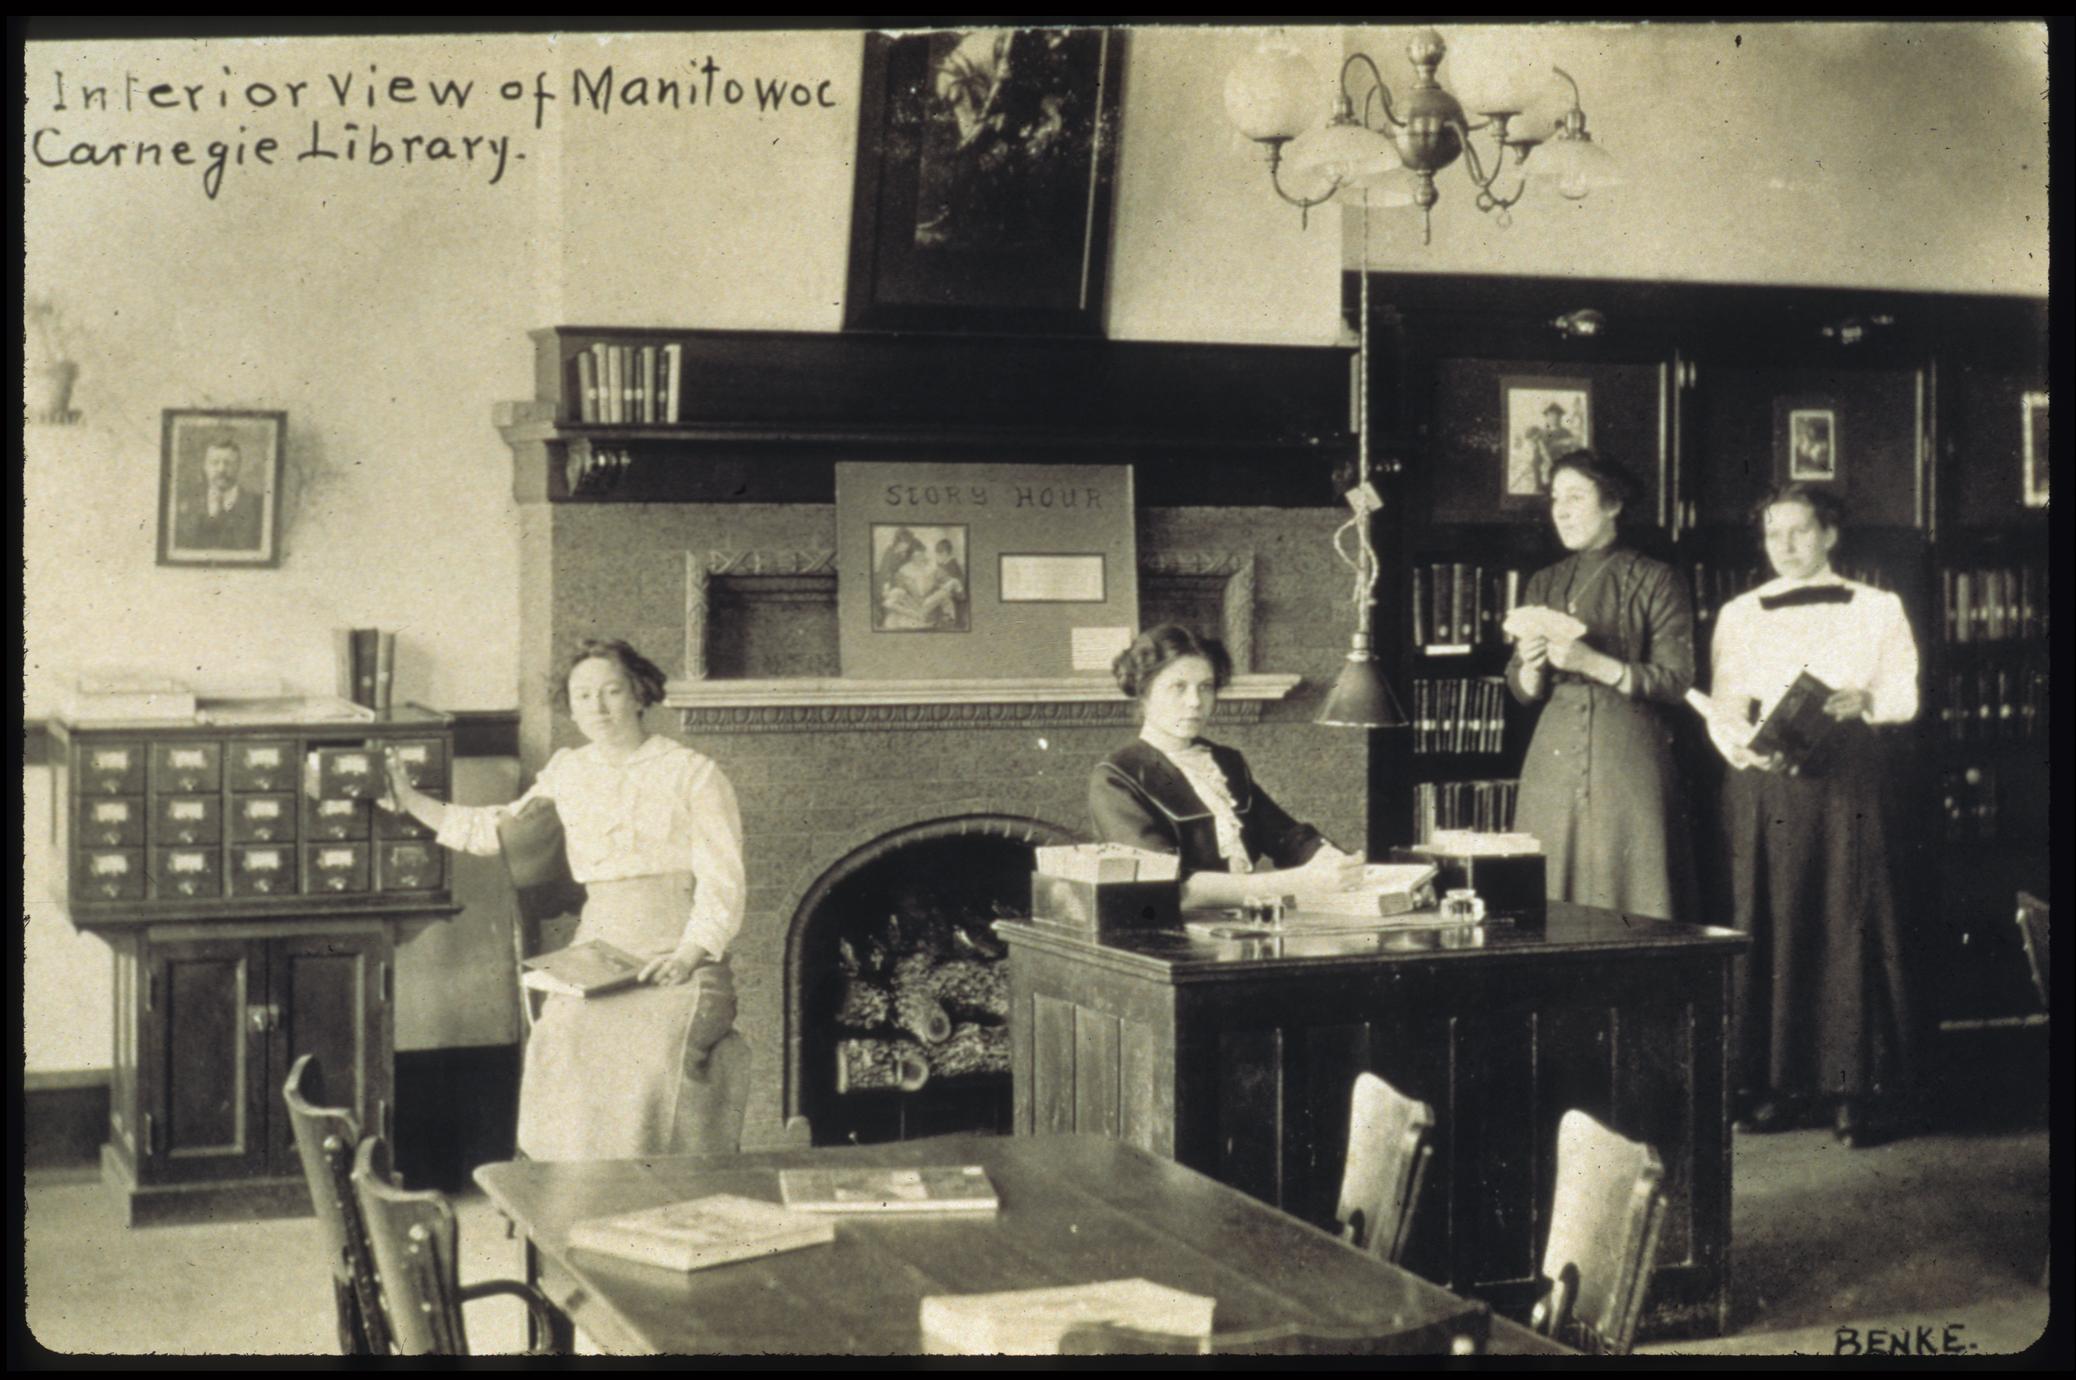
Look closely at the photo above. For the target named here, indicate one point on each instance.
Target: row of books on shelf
(1484, 806)
(365, 659)
(1998, 604)
(1459, 714)
(623, 384)
(2005, 704)
(1968, 799)
(1457, 606)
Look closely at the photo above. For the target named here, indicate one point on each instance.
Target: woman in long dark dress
(1173, 791)
(1597, 786)
(1823, 1011)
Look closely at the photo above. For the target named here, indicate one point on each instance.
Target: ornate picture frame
(986, 162)
(220, 487)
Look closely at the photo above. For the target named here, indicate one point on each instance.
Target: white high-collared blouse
(1863, 644)
(665, 808)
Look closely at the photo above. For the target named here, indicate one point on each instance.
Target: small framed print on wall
(220, 488)
(1812, 444)
(2036, 449)
(1546, 419)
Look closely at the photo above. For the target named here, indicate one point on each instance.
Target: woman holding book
(1173, 791)
(1597, 786)
(653, 833)
(1822, 1008)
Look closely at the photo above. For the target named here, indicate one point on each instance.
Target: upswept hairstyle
(1828, 507)
(1154, 650)
(643, 674)
(1615, 483)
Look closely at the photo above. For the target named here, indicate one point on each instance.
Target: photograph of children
(1812, 444)
(1544, 424)
(919, 579)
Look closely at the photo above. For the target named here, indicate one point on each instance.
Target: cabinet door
(203, 1078)
(332, 995)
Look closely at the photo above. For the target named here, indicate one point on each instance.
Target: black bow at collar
(1808, 594)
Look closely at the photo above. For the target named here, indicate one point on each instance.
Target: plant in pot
(48, 371)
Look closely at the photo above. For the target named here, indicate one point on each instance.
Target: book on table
(593, 968)
(930, 1188)
(1032, 1322)
(1387, 889)
(702, 1232)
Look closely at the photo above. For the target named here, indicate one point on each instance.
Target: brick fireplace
(823, 775)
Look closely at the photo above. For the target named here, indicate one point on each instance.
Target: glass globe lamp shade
(1344, 152)
(1576, 164)
(1389, 190)
(1273, 93)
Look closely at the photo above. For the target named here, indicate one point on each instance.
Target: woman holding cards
(1605, 643)
(1822, 1010)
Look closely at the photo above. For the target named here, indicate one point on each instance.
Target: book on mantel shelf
(702, 1232)
(1032, 1322)
(930, 1188)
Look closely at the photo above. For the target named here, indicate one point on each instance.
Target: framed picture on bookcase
(2034, 419)
(1546, 419)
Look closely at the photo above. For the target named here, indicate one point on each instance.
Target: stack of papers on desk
(1388, 889)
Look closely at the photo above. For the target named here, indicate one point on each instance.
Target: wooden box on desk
(1098, 910)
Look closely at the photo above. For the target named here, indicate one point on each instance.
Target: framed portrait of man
(220, 488)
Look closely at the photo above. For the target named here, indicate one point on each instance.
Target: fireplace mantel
(798, 703)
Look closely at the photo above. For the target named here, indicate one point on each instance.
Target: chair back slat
(326, 1139)
(1603, 1241)
(1388, 1150)
(413, 1237)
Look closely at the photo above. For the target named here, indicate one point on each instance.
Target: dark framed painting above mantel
(986, 161)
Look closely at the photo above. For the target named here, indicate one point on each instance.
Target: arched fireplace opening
(897, 992)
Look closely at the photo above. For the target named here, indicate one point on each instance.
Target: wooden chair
(2032, 931)
(1603, 1237)
(326, 1138)
(415, 1241)
(1388, 1151)
(546, 900)
(1463, 1335)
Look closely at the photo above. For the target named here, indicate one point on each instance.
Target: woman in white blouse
(653, 833)
(1823, 1010)
(1171, 791)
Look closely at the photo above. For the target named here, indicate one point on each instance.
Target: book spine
(645, 386)
(673, 389)
(364, 652)
(344, 675)
(630, 405)
(1418, 584)
(385, 669)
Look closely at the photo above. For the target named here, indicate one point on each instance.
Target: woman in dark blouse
(1597, 786)
(1172, 791)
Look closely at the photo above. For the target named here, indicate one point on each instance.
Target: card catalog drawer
(263, 766)
(111, 769)
(334, 819)
(411, 866)
(393, 824)
(335, 866)
(425, 759)
(187, 872)
(186, 767)
(263, 818)
(342, 774)
(109, 875)
(115, 823)
(263, 871)
(187, 819)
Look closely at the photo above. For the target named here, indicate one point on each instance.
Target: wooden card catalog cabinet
(253, 892)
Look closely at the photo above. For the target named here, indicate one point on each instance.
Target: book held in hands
(931, 1188)
(1032, 1322)
(590, 969)
(1795, 730)
(702, 1232)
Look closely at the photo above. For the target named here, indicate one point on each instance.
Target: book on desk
(930, 1188)
(702, 1232)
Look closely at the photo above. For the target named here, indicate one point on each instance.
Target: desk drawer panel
(111, 769)
(335, 866)
(262, 818)
(186, 819)
(334, 819)
(410, 865)
(263, 766)
(187, 873)
(110, 874)
(117, 822)
(185, 768)
(425, 759)
(339, 773)
(394, 824)
(262, 870)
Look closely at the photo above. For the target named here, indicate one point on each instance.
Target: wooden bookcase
(1690, 386)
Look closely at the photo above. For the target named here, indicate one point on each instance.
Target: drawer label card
(337, 809)
(187, 862)
(263, 757)
(111, 759)
(335, 857)
(187, 809)
(262, 860)
(187, 757)
(350, 764)
(111, 865)
(263, 809)
(111, 812)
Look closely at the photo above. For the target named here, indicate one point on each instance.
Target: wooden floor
(1911, 1239)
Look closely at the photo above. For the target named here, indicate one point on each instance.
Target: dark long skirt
(1822, 1006)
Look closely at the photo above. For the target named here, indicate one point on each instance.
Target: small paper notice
(1096, 648)
(1052, 579)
